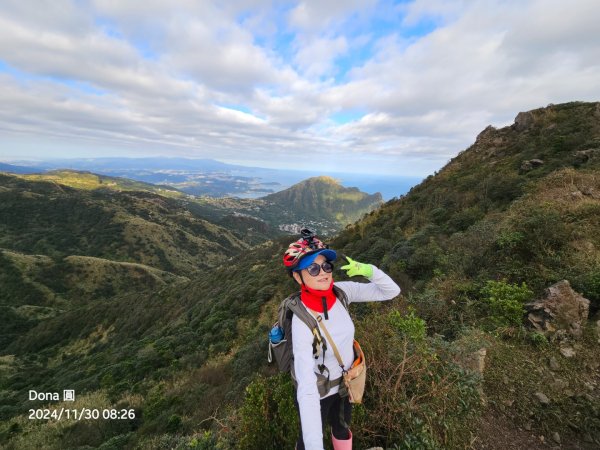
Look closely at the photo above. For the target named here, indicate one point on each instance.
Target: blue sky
(360, 86)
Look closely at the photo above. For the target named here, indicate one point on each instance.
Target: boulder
(542, 398)
(583, 156)
(474, 361)
(531, 164)
(561, 311)
(567, 352)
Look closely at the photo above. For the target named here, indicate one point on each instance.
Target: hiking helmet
(301, 253)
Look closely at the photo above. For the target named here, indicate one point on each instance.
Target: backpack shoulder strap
(292, 303)
(292, 306)
(341, 295)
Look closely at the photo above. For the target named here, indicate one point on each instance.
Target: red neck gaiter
(313, 298)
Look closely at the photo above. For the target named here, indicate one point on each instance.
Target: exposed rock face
(561, 309)
(486, 134)
(523, 121)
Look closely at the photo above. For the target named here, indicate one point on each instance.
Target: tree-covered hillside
(57, 221)
(324, 199)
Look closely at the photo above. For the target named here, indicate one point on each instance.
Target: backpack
(282, 350)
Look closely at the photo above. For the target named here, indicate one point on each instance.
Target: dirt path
(497, 432)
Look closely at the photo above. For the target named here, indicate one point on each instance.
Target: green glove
(354, 268)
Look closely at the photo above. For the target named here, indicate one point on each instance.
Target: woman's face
(321, 282)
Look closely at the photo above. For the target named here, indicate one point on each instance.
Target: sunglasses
(315, 269)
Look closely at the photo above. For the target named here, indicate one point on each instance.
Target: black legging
(330, 413)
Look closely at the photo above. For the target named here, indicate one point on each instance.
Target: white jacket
(341, 329)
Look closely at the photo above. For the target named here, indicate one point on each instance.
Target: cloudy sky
(355, 86)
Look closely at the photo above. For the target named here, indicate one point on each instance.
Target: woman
(310, 264)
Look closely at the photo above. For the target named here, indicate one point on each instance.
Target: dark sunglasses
(315, 269)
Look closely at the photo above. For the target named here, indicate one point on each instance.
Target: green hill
(87, 180)
(323, 201)
(62, 248)
(36, 287)
(43, 217)
(452, 363)
(320, 202)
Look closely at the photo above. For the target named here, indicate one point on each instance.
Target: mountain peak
(322, 179)
(324, 198)
(555, 136)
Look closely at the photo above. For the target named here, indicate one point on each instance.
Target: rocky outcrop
(561, 311)
(523, 121)
(584, 156)
(487, 133)
(526, 166)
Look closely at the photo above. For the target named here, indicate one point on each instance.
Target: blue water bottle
(276, 334)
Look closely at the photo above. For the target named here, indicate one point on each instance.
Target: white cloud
(225, 79)
(319, 15)
(316, 57)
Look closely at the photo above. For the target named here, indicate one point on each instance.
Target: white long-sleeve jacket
(341, 329)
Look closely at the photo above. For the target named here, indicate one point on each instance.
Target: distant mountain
(320, 203)
(19, 169)
(38, 287)
(88, 181)
(68, 238)
(215, 178)
(192, 176)
(126, 164)
(324, 198)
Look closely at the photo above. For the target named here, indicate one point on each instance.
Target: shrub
(416, 396)
(425, 259)
(504, 303)
(508, 240)
(538, 339)
(268, 417)
(409, 325)
(205, 441)
(503, 188)
(174, 423)
(464, 219)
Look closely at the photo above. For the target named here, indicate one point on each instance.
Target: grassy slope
(61, 247)
(51, 219)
